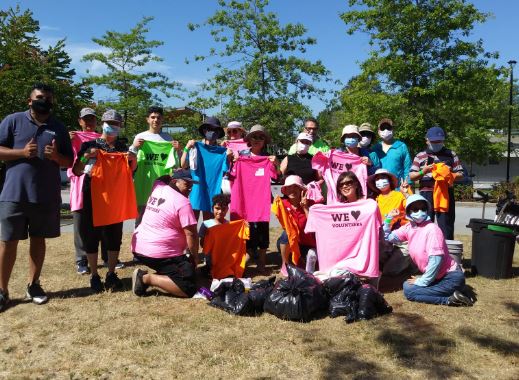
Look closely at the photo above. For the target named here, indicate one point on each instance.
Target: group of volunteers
(343, 210)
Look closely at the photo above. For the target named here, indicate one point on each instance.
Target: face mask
(211, 135)
(386, 134)
(366, 140)
(382, 183)
(41, 106)
(302, 148)
(435, 147)
(418, 216)
(351, 142)
(110, 130)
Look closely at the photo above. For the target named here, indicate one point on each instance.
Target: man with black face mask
(34, 145)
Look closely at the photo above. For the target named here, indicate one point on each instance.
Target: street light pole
(511, 63)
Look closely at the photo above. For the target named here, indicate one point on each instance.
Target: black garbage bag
(231, 297)
(298, 297)
(259, 293)
(342, 291)
(371, 303)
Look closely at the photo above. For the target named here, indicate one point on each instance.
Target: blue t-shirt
(34, 180)
(211, 165)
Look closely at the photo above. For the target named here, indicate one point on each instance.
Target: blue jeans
(439, 291)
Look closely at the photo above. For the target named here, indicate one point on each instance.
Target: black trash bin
(493, 247)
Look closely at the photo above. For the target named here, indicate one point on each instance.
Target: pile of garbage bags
(303, 297)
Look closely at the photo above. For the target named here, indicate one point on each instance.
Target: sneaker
(459, 299)
(119, 265)
(82, 269)
(35, 293)
(112, 282)
(138, 286)
(4, 300)
(95, 283)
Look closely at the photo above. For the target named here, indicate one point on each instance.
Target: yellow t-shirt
(394, 199)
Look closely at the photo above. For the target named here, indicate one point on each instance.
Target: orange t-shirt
(226, 245)
(394, 199)
(113, 195)
(289, 224)
(443, 179)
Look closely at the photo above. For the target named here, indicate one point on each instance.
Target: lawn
(117, 335)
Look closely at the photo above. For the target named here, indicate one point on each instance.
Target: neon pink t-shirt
(161, 232)
(250, 191)
(235, 145)
(76, 182)
(347, 236)
(426, 240)
(331, 164)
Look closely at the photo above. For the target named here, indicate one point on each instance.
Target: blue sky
(79, 21)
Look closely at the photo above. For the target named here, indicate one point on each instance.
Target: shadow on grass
(346, 363)
(71, 293)
(514, 306)
(420, 345)
(491, 342)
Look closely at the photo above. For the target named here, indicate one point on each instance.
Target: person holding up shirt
(300, 163)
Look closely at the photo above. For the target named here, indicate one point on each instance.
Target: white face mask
(382, 183)
(386, 134)
(366, 140)
(302, 148)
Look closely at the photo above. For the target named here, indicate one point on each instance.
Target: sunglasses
(346, 184)
(418, 208)
(257, 137)
(383, 127)
(233, 131)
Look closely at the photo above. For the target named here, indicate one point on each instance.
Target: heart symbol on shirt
(160, 201)
(348, 166)
(355, 214)
(163, 156)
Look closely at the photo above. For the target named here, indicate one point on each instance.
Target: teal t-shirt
(154, 160)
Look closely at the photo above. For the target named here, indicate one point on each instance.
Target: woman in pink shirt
(442, 279)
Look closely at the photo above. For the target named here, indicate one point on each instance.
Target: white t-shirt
(156, 137)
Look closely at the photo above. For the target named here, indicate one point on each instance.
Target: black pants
(445, 219)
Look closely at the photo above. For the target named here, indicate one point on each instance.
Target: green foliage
(261, 74)
(23, 63)
(463, 193)
(499, 190)
(422, 72)
(126, 57)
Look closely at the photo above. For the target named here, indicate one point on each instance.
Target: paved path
(463, 214)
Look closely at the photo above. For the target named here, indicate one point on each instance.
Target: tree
(23, 63)
(127, 55)
(260, 75)
(422, 70)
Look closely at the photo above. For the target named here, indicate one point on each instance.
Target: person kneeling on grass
(167, 228)
(443, 279)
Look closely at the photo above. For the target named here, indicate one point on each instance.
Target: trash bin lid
(493, 227)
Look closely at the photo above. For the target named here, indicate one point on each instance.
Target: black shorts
(111, 235)
(18, 220)
(179, 269)
(259, 235)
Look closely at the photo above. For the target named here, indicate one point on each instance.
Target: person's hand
(190, 144)
(304, 199)
(72, 134)
(31, 149)
(50, 152)
(176, 145)
(427, 168)
(274, 160)
(412, 280)
(92, 153)
(393, 213)
(229, 152)
(366, 161)
(404, 185)
(137, 143)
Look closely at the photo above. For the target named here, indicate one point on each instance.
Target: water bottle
(88, 166)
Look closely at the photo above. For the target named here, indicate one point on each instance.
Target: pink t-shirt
(313, 192)
(235, 145)
(161, 233)
(347, 236)
(250, 191)
(76, 182)
(426, 240)
(331, 164)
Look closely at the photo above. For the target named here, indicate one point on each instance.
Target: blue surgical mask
(211, 135)
(435, 147)
(351, 142)
(418, 217)
(382, 183)
(110, 130)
